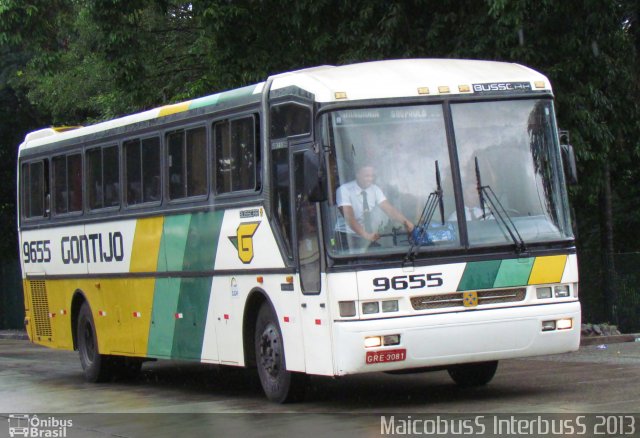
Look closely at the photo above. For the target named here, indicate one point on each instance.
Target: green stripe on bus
(514, 272)
(222, 97)
(199, 254)
(202, 241)
(479, 275)
(163, 317)
(174, 240)
(204, 101)
(193, 305)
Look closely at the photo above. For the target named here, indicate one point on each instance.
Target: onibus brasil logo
(33, 426)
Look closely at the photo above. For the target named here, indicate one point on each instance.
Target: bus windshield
(385, 164)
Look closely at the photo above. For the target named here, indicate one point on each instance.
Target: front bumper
(460, 337)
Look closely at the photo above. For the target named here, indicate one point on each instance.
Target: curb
(615, 339)
(14, 334)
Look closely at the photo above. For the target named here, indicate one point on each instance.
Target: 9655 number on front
(412, 281)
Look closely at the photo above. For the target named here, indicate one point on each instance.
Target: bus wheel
(473, 374)
(96, 366)
(279, 385)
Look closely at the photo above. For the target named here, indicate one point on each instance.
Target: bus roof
(368, 80)
(404, 78)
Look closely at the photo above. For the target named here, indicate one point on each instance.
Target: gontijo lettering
(92, 248)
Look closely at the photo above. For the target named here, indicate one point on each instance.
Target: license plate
(386, 356)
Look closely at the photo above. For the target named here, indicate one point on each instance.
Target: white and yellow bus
(214, 231)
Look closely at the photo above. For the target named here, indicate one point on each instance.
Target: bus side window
(111, 176)
(133, 171)
(35, 189)
(281, 198)
(103, 176)
(150, 178)
(67, 183)
(142, 170)
(187, 164)
(236, 158)
(289, 119)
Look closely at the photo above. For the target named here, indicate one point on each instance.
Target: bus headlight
(391, 340)
(347, 308)
(562, 291)
(369, 308)
(543, 292)
(390, 306)
(548, 326)
(564, 324)
(372, 341)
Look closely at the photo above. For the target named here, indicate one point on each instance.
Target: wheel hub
(270, 350)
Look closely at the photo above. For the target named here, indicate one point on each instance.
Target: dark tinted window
(34, 191)
(67, 183)
(235, 155)
(103, 177)
(289, 119)
(281, 194)
(187, 163)
(142, 170)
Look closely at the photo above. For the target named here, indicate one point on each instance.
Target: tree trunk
(606, 234)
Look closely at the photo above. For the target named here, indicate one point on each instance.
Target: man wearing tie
(356, 199)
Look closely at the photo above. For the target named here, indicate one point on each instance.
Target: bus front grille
(492, 296)
(40, 308)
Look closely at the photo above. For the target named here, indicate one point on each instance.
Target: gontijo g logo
(243, 240)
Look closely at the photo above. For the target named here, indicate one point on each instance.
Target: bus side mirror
(315, 176)
(569, 162)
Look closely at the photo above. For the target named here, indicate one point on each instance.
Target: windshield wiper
(419, 234)
(486, 193)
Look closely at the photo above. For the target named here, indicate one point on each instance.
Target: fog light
(548, 326)
(391, 339)
(390, 306)
(564, 324)
(543, 292)
(372, 341)
(347, 308)
(368, 308)
(562, 291)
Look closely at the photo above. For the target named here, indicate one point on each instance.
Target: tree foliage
(80, 61)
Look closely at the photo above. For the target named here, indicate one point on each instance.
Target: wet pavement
(175, 398)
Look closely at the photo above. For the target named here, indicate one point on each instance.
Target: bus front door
(314, 310)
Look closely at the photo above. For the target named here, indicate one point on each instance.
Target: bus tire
(96, 366)
(473, 374)
(278, 384)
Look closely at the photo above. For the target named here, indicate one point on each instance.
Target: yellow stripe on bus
(173, 109)
(547, 269)
(146, 245)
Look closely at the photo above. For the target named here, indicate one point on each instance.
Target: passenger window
(289, 119)
(103, 177)
(187, 163)
(67, 183)
(235, 155)
(142, 170)
(34, 189)
(281, 198)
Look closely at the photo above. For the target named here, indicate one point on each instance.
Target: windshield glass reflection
(511, 149)
(382, 171)
(383, 164)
